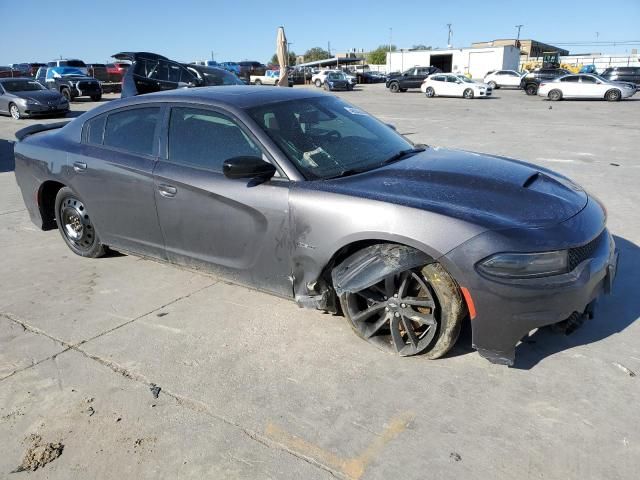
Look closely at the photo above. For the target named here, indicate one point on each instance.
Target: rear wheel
(416, 311)
(258, 82)
(394, 87)
(531, 89)
(318, 82)
(430, 92)
(14, 111)
(492, 84)
(96, 98)
(613, 95)
(555, 95)
(75, 226)
(468, 93)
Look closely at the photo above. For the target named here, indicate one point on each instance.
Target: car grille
(87, 85)
(578, 255)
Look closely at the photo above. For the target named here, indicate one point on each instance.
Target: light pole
(390, 41)
(518, 36)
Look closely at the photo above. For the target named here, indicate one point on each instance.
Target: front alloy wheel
(468, 93)
(415, 311)
(15, 112)
(75, 226)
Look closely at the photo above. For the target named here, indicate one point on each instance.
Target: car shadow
(613, 314)
(7, 161)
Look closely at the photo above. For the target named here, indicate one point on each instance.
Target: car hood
(76, 77)
(39, 95)
(490, 191)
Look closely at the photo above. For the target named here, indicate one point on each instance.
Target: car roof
(3, 80)
(240, 96)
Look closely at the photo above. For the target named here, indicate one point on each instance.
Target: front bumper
(31, 110)
(507, 310)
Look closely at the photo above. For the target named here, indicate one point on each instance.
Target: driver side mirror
(247, 167)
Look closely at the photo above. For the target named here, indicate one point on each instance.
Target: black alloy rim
(399, 313)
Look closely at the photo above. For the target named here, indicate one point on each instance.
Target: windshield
(326, 137)
(465, 79)
(336, 76)
(62, 71)
(22, 86)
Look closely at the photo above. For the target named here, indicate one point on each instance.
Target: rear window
(94, 130)
(132, 130)
(73, 63)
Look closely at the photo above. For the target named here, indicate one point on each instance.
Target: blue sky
(246, 29)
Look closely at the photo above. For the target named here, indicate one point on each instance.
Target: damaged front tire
(413, 311)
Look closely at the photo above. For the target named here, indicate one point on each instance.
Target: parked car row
(553, 83)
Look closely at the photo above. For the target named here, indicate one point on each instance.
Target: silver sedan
(24, 97)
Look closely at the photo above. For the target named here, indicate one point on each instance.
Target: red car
(117, 70)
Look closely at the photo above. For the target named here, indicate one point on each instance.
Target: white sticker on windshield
(355, 111)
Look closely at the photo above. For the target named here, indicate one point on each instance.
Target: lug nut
(403, 305)
(396, 314)
(386, 309)
(395, 295)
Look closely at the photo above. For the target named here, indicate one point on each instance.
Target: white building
(476, 61)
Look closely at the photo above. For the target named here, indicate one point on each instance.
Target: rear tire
(430, 92)
(613, 95)
(318, 82)
(493, 85)
(394, 87)
(96, 98)
(468, 93)
(74, 224)
(531, 89)
(555, 95)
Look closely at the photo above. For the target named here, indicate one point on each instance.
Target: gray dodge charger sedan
(305, 196)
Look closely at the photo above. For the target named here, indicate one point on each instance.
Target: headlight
(525, 265)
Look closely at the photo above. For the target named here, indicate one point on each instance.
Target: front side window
(132, 130)
(325, 137)
(572, 78)
(205, 139)
(588, 79)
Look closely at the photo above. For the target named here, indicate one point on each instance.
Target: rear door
(235, 227)
(113, 173)
(511, 79)
(570, 86)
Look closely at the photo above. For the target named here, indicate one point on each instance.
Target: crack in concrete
(186, 402)
(13, 211)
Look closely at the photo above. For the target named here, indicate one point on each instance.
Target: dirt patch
(39, 454)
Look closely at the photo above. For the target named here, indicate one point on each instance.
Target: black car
(532, 80)
(70, 82)
(411, 78)
(337, 81)
(151, 73)
(248, 68)
(623, 74)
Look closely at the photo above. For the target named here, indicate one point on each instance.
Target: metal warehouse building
(476, 61)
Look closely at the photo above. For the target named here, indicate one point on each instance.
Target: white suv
(503, 78)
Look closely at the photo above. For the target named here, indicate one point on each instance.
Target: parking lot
(145, 370)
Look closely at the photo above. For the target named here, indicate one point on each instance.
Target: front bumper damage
(507, 310)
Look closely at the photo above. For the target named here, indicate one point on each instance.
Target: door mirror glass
(247, 167)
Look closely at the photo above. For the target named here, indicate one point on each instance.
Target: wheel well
(47, 203)
(612, 90)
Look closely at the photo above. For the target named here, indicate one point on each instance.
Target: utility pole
(329, 48)
(390, 42)
(518, 36)
(449, 37)
(212, 54)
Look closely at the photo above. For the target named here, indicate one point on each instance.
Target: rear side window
(132, 130)
(94, 130)
(205, 139)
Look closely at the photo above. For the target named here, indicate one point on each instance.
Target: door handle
(79, 166)
(167, 190)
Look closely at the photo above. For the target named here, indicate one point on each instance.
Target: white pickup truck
(270, 77)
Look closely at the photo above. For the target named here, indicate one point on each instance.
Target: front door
(112, 171)
(238, 228)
